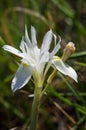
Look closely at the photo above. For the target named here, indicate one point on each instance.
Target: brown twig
(64, 112)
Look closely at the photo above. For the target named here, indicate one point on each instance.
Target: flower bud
(68, 51)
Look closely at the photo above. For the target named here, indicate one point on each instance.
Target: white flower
(34, 59)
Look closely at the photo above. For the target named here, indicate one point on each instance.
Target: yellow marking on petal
(25, 64)
(57, 58)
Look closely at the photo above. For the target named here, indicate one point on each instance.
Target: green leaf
(81, 64)
(78, 107)
(64, 7)
(78, 54)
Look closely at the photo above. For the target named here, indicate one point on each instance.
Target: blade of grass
(7, 105)
(73, 89)
(81, 64)
(78, 54)
(64, 7)
(70, 86)
(78, 107)
(80, 27)
(27, 11)
(79, 123)
(64, 112)
(7, 34)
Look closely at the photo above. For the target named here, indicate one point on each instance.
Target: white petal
(21, 78)
(57, 46)
(27, 40)
(64, 68)
(24, 47)
(44, 57)
(46, 41)
(33, 36)
(12, 50)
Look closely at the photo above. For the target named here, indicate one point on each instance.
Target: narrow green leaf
(73, 89)
(81, 64)
(78, 54)
(79, 123)
(64, 7)
(78, 107)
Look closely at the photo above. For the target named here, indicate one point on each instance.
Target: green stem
(52, 76)
(35, 108)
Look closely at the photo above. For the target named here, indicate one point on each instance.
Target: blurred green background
(66, 18)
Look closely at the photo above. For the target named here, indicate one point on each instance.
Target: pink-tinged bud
(68, 51)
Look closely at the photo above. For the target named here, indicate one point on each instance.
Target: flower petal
(46, 41)
(27, 40)
(33, 36)
(24, 47)
(57, 46)
(64, 68)
(22, 76)
(44, 57)
(13, 50)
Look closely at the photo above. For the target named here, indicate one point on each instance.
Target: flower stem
(35, 108)
(52, 76)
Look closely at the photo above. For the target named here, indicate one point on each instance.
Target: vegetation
(63, 106)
